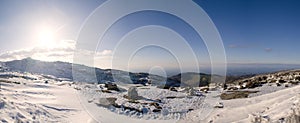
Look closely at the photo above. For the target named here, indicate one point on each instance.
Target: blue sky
(253, 31)
(257, 31)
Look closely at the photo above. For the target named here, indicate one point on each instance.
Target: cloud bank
(63, 51)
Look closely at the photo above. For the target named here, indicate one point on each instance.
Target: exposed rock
(173, 89)
(133, 101)
(252, 84)
(106, 91)
(172, 97)
(233, 88)
(225, 86)
(141, 78)
(228, 96)
(191, 91)
(158, 100)
(190, 109)
(111, 86)
(77, 88)
(2, 104)
(219, 105)
(144, 110)
(165, 112)
(133, 94)
(156, 105)
(129, 108)
(205, 90)
(278, 84)
(143, 81)
(294, 82)
(90, 100)
(156, 110)
(281, 81)
(286, 85)
(107, 102)
(280, 78)
(236, 94)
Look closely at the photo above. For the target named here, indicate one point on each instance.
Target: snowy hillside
(278, 107)
(79, 73)
(82, 73)
(28, 97)
(33, 98)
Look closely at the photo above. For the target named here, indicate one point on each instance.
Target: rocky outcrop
(133, 94)
(219, 105)
(79, 73)
(236, 94)
(107, 102)
(2, 104)
(111, 86)
(279, 78)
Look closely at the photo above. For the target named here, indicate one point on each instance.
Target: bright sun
(46, 37)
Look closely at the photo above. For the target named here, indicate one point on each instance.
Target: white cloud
(63, 51)
(106, 52)
(103, 53)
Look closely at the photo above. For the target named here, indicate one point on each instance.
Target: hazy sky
(253, 31)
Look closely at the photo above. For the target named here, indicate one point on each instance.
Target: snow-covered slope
(27, 100)
(272, 107)
(82, 73)
(28, 97)
(79, 73)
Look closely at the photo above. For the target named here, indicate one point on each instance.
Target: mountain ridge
(83, 73)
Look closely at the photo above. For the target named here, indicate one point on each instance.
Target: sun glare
(46, 37)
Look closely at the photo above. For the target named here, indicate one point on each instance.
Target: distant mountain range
(82, 73)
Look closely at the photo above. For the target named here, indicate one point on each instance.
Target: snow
(26, 97)
(32, 101)
(274, 105)
(176, 106)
